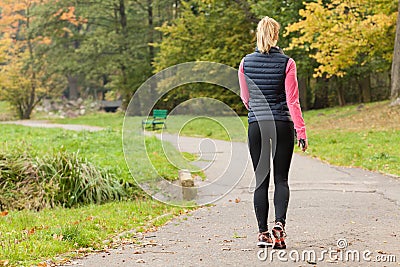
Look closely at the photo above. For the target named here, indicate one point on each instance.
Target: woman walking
(269, 90)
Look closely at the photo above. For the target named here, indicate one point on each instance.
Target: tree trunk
(365, 88)
(321, 94)
(123, 21)
(32, 97)
(176, 9)
(395, 90)
(303, 92)
(151, 29)
(340, 94)
(73, 91)
(150, 19)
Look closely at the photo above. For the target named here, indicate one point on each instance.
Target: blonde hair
(267, 34)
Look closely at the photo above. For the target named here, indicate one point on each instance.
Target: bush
(59, 179)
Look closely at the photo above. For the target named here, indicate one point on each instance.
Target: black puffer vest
(267, 73)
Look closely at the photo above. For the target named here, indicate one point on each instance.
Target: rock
(395, 102)
(71, 114)
(189, 192)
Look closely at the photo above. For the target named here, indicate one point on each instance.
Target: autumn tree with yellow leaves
(24, 80)
(347, 36)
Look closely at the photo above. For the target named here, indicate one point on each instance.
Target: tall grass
(58, 179)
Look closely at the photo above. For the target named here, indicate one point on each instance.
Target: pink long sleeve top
(292, 96)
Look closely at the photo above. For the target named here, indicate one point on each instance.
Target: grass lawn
(101, 119)
(366, 136)
(28, 237)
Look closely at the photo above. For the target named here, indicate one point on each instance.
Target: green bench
(159, 117)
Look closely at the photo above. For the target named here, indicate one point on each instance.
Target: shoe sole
(261, 244)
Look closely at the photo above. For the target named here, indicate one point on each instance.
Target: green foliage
(5, 111)
(216, 31)
(344, 33)
(60, 179)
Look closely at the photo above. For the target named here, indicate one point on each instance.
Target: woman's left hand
(303, 143)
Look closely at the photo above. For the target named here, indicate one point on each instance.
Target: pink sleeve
(244, 90)
(292, 99)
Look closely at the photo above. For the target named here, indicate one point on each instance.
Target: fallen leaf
(31, 231)
(4, 262)
(4, 213)
(57, 237)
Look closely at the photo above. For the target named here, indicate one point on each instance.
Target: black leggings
(266, 137)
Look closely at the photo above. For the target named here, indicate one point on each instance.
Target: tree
(214, 30)
(395, 90)
(347, 37)
(59, 22)
(24, 80)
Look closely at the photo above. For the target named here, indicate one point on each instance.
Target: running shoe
(279, 236)
(264, 240)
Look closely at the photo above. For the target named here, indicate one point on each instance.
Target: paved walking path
(327, 203)
(46, 124)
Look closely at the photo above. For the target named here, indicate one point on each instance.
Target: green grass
(369, 149)
(365, 136)
(101, 119)
(103, 148)
(28, 237)
(224, 128)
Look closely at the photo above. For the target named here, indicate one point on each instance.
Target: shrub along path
(327, 203)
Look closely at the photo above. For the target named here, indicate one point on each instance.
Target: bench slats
(159, 116)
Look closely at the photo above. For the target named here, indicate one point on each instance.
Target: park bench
(159, 117)
(110, 106)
